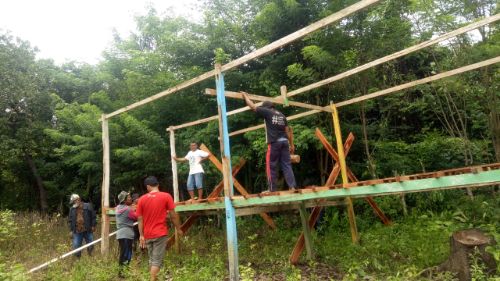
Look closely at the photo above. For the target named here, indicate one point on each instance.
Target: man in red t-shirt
(151, 212)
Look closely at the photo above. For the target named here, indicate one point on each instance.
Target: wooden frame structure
(314, 196)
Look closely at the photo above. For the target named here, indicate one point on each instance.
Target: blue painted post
(232, 237)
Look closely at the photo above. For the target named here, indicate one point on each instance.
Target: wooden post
(343, 171)
(232, 237)
(284, 95)
(175, 181)
(306, 230)
(105, 186)
(175, 178)
(236, 183)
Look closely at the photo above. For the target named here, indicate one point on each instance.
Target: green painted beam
(482, 178)
(306, 230)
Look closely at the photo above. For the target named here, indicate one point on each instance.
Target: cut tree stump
(463, 245)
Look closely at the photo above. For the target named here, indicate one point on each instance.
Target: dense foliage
(50, 138)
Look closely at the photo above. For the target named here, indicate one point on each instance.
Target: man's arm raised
(248, 101)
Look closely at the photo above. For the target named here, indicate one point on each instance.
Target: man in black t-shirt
(279, 139)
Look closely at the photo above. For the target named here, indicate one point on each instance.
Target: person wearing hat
(152, 210)
(125, 218)
(82, 222)
(279, 138)
(195, 179)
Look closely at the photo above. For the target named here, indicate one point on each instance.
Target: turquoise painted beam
(482, 178)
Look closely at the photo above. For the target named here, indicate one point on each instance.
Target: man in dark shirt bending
(279, 139)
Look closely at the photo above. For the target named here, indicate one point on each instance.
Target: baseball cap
(122, 196)
(151, 180)
(73, 198)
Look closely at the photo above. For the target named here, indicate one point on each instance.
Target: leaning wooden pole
(343, 172)
(105, 186)
(232, 237)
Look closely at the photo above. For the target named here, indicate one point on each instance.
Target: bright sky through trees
(79, 29)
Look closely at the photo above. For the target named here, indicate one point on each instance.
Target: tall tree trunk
(494, 114)
(44, 207)
(495, 132)
(371, 165)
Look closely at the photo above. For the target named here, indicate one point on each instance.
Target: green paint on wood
(419, 185)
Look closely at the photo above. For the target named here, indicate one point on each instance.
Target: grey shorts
(195, 180)
(156, 250)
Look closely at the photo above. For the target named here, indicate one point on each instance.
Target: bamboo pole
(343, 172)
(255, 54)
(231, 232)
(70, 253)
(361, 68)
(175, 175)
(396, 55)
(395, 89)
(105, 186)
(278, 100)
(175, 184)
(366, 66)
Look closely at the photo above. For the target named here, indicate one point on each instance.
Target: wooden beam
(236, 183)
(300, 244)
(225, 150)
(254, 210)
(284, 95)
(175, 184)
(363, 67)
(343, 172)
(278, 100)
(300, 33)
(306, 230)
(406, 184)
(215, 193)
(387, 91)
(336, 169)
(421, 81)
(105, 186)
(396, 55)
(285, 207)
(255, 54)
(175, 176)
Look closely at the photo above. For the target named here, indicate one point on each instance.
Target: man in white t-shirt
(195, 179)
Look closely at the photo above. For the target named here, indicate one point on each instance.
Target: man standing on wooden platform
(151, 213)
(279, 139)
(195, 179)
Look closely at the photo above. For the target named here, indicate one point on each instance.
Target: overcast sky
(79, 29)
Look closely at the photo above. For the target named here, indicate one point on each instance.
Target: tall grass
(398, 252)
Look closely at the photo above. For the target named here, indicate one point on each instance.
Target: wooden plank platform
(476, 176)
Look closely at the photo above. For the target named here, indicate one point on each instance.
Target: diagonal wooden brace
(299, 245)
(215, 193)
(350, 174)
(237, 184)
(313, 217)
